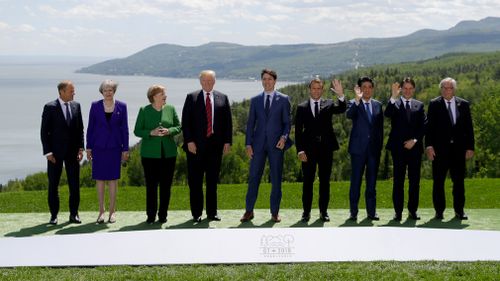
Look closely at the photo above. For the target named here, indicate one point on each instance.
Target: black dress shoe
(150, 220)
(374, 217)
(305, 217)
(414, 216)
(215, 217)
(461, 216)
(397, 217)
(162, 219)
(324, 217)
(353, 217)
(197, 219)
(53, 220)
(439, 216)
(74, 219)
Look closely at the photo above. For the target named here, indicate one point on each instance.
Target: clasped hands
(160, 132)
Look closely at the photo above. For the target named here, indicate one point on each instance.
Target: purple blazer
(103, 134)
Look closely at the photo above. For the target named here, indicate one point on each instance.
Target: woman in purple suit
(107, 144)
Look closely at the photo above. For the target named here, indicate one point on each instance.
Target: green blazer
(149, 119)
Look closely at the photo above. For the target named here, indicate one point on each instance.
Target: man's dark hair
(365, 79)
(270, 72)
(408, 80)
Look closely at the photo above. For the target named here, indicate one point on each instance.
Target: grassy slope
(480, 194)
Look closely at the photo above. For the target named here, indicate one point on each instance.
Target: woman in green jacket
(157, 124)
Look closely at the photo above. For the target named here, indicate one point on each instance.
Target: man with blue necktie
(267, 136)
(365, 145)
(61, 134)
(405, 143)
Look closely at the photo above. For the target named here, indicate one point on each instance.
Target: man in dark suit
(365, 144)
(62, 140)
(267, 131)
(405, 143)
(449, 142)
(316, 141)
(208, 129)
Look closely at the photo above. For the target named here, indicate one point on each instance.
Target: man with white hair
(449, 142)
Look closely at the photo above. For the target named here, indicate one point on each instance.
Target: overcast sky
(118, 28)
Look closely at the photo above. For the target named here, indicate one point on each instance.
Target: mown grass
(480, 194)
(389, 270)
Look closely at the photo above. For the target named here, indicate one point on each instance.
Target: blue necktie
(368, 111)
(268, 104)
(68, 115)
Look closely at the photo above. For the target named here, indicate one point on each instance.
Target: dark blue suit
(365, 144)
(263, 132)
(64, 141)
(107, 139)
(402, 130)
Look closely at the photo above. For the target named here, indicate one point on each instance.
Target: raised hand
(337, 88)
(357, 93)
(396, 89)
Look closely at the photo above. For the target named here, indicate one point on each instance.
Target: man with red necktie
(207, 129)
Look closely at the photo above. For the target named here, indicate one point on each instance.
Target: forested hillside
(478, 77)
(300, 61)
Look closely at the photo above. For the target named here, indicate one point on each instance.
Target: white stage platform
(259, 245)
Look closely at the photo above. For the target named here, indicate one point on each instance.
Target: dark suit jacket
(402, 129)
(365, 136)
(265, 130)
(104, 134)
(440, 131)
(57, 137)
(308, 128)
(194, 120)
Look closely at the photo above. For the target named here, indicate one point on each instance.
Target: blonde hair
(207, 72)
(154, 90)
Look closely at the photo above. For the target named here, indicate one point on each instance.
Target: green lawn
(26, 214)
(480, 194)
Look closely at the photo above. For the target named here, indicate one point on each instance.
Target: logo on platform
(277, 246)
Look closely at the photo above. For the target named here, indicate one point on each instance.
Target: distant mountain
(298, 62)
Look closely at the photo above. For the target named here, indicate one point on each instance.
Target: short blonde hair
(208, 72)
(154, 90)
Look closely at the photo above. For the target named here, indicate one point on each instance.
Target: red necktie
(208, 108)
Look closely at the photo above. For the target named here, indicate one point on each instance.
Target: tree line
(477, 75)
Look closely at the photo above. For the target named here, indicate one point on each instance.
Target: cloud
(16, 28)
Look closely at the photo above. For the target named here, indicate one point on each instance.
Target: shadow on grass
(454, 223)
(190, 224)
(83, 228)
(364, 222)
(407, 223)
(35, 230)
(317, 223)
(140, 226)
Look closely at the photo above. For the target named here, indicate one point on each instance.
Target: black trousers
(204, 163)
(158, 171)
(403, 160)
(452, 159)
(323, 160)
(54, 172)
